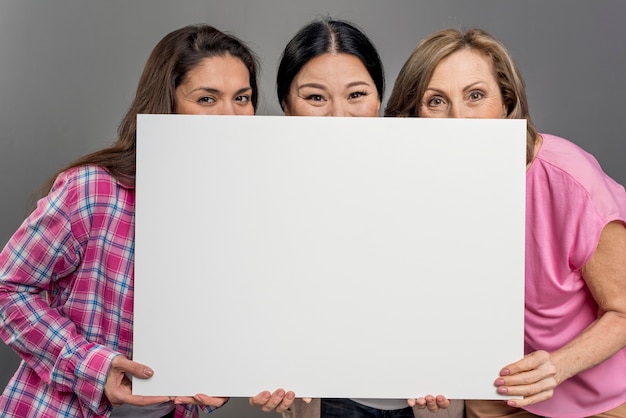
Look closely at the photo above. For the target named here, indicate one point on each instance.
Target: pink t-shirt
(569, 200)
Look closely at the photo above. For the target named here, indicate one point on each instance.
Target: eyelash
(476, 92)
(314, 97)
(430, 100)
(243, 99)
(357, 94)
(479, 93)
(320, 98)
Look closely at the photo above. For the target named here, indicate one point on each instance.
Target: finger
(528, 383)
(187, 400)
(530, 400)
(442, 401)
(431, 403)
(214, 401)
(529, 362)
(419, 402)
(540, 379)
(140, 400)
(543, 386)
(284, 405)
(260, 399)
(132, 367)
(307, 400)
(272, 402)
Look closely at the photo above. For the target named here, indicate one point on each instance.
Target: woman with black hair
(331, 68)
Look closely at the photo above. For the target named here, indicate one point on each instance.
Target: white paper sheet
(336, 257)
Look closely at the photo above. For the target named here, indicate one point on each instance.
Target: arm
(42, 257)
(537, 374)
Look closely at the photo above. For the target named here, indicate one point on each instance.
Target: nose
(457, 112)
(227, 108)
(338, 109)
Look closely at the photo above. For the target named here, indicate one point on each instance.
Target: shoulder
(565, 155)
(88, 176)
(559, 155)
(566, 169)
(86, 189)
(87, 181)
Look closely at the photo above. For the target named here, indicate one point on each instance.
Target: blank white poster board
(335, 257)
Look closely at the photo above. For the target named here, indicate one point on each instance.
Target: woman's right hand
(118, 387)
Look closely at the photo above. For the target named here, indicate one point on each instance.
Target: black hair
(323, 36)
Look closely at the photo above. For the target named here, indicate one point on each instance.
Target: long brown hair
(415, 75)
(170, 61)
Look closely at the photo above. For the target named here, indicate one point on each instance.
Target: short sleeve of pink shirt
(569, 200)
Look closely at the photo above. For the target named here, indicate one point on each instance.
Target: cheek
(183, 108)
(299, 107)
(375, 108)
(247, 111)
(498, 112)
(369, 109)
(494, 110)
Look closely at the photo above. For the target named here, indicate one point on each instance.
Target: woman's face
(463, 85)
(216, 86)
(333, 85)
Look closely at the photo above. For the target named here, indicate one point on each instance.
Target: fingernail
(290, 396)
(503, 390)
(505, 372)
(148, 372)
(511, 402)
(499, 382)
(266, 396)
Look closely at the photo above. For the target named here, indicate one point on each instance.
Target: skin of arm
(537, 374)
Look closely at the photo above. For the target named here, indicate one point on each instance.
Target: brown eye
(206, 100)
(314, 97)
(435, 101)
(476, 95)
(357, 94)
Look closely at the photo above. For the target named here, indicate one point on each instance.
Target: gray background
(69, 68)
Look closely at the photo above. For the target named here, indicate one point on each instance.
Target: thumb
(132, 367)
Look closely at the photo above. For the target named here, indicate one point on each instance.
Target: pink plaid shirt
(66, 297)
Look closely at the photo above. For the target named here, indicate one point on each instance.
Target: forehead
(331, 64)
(218, 66)
(464, 63)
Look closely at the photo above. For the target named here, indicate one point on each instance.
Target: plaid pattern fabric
(66, 297)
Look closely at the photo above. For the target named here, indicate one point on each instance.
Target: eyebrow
(322, 87)
(468, 87)
(472, 85)
(358, 83)
(219, 92)
(313, 85)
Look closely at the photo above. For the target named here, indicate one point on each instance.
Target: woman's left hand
(532, 377)
(278, 401)
(433, 403)
(200, 399)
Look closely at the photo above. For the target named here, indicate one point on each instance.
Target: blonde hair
(417, 71)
